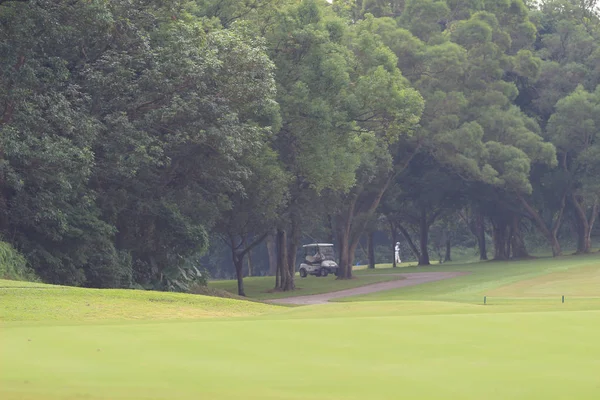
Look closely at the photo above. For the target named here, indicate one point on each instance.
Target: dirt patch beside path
(410, 279)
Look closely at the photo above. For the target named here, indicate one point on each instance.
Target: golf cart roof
(318, 245)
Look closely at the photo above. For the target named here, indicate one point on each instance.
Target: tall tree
(574, 128)
(117, 149)
(383, 111)
(251, 214)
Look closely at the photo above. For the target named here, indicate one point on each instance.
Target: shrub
(13, 265)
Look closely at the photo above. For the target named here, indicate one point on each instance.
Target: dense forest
(144, 143)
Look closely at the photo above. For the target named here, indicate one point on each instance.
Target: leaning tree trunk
(584, 242)
(349, 232)
(423, 239)
(348, 245)
(351, 253)
(371, 250)
(410, 242)
(549, 233)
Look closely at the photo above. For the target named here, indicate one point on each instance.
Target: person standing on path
(397, 253)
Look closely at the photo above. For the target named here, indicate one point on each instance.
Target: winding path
(410, 279)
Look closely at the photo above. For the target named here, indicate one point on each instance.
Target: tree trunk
(584, 243)
(330, 233)
(272, 253)
(343, 236)
(293, 240)
(476, 225)
(351, 254)
(394, 233)
(287, 281)
(448, 256)
(349, 232)
(519, 250)
(238, 252)
(423, 238)
(343, 265)
(500, 237)
(371, 250)
(595, 210)
(480, 233)
(249, 253)
(580, 233)
(238, 262)
(249, 263)
(549, 233)
(346, 258)
(410, 242)
(348, 245)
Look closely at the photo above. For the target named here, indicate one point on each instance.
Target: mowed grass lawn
(570, 275)
(21, 302)
(432, 343)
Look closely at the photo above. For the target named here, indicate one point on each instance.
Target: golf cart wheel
(324, 272)
(303, 273)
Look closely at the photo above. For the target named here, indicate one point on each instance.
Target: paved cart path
(410, 279)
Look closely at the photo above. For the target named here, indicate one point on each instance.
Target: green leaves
(574, 125)
(125, 128)
(472, 33)
(574, 128)
(132, 130)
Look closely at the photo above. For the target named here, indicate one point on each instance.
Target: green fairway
(261, 288)
(495, 356)
(433, 341)
(486, 278)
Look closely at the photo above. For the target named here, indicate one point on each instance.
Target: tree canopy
(136, 137)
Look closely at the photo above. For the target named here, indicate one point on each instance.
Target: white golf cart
(319, 260)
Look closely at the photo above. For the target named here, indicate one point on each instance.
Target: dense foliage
(142, 142)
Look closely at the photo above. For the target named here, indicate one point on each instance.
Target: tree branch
(556, 224)
(411, 244)
(255, 243)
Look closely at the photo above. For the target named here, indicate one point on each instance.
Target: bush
(13, 265)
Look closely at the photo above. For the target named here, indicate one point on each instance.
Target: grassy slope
(413, 349)
(261, 287)
(37, 302)
(486, 278)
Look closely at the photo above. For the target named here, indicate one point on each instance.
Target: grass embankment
(23, 301)
(570, 276)
(413, 348)
(261, 288)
